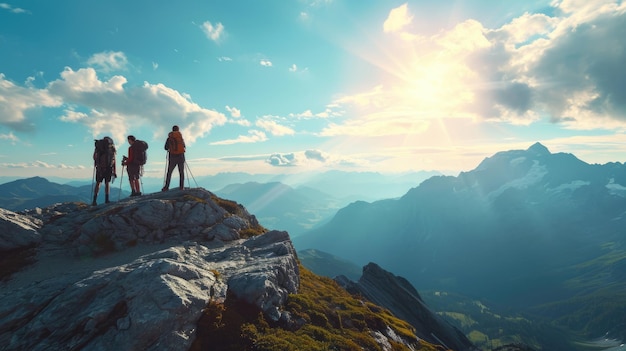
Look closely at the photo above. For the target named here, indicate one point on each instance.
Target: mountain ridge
(524, 228)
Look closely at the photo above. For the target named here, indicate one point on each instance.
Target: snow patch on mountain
(571, 186)
(615, 188)
(534, 175)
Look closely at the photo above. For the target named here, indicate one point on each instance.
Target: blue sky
(278, 86)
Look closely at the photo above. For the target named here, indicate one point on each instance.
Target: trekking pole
(194, 179)
(93, 181)
(142, 190)
(119, 194)
(167, 158)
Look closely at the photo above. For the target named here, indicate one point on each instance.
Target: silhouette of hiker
(133, 168)
(175, 146)
(104, 163)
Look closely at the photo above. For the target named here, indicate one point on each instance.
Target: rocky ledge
(135, 274)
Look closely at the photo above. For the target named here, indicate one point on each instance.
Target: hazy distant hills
(527, 229)
(282, 207)
(34, 192)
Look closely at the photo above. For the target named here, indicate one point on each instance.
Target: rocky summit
(135, 274)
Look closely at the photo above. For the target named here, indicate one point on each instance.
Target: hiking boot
(106, 201)
(94, 203)
(165, 188)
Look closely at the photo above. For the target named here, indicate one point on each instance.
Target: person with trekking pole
(175, 146)
(133, 167)
(104, 167)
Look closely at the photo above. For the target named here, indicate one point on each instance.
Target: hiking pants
(175, 160)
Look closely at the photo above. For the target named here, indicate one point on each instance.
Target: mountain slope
(525, 228)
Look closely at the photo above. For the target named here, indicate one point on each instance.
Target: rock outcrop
(400, 297)
(136, 275)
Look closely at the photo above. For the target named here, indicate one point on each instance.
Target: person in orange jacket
(175, 146)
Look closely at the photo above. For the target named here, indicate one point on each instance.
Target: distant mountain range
(536, 232)
(23, 194)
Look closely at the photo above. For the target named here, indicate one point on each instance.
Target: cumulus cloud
(398, 18)
(312, 158)
(565, 66)
(254, 136)
(266, 63)
(273, 127)
(109, 61)
(110, 106)
(282, 160)
(17, 102)
(234, 112)
(213, 32)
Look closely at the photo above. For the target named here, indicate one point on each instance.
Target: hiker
(175, 146)
(133, 167)
(104, 163)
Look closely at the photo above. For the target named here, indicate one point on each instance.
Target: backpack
(175, 143)
(140, 155)
(104, 153)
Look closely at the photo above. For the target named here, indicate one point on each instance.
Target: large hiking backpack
(105, 152)
(175, 143)
(140, 154)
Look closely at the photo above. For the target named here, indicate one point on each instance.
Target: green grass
(325, 317)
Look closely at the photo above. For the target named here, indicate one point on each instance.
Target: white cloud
(295, 69)
(313, 158)
(10, 8)
(266, 63)
(155, 66)
(398, 19)
(565, 68)
(109, 61)
(73, 116)
(11, 137)
(234, 112)
(113, 107)
(213, 32)
(39, 164)
(254, 136)
(224, 58)
(282, 160)
(273, 127)
(327, 113)
(16, 102)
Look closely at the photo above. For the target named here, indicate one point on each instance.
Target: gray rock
(18, 231)
(137, 274)
(400, 297)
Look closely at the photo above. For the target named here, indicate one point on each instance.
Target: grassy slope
(328, 318)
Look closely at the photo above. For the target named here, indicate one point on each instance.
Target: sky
(290, 86)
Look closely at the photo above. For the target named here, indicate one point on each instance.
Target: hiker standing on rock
(104, 164)
(175, 146)
(133, 167)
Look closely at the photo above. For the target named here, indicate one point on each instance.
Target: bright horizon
(310, 85)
